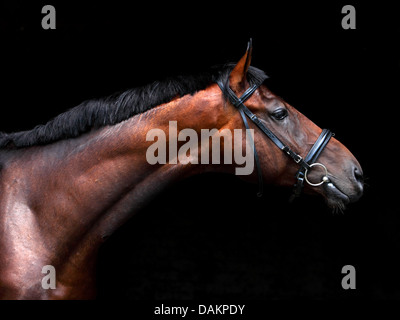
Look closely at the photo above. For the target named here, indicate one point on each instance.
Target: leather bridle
(305, 164)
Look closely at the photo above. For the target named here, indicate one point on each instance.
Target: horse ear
(238, 76)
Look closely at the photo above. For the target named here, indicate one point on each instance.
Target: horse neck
(104, 177)
(74, 193)
(60, 201)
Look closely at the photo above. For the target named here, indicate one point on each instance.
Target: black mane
(97, 113)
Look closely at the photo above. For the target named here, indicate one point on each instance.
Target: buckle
(298, 159)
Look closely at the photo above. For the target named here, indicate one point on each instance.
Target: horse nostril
(358, 175)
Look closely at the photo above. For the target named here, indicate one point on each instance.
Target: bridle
(305, 164)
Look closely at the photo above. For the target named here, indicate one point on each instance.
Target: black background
(209, 236)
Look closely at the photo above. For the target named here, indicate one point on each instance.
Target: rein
(305, 164)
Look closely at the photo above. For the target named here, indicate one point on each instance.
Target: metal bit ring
(324, 178)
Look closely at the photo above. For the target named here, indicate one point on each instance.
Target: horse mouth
(335, 198)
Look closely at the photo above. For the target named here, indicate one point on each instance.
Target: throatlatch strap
(238, 103)
(253, 146)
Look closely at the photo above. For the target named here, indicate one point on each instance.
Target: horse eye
(280, 114)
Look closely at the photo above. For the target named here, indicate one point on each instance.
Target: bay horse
(69, 184)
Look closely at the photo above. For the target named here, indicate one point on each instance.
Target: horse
(67, 185)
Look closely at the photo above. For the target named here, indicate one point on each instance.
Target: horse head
(333, 173)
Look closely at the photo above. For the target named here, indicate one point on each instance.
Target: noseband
(305, 164)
